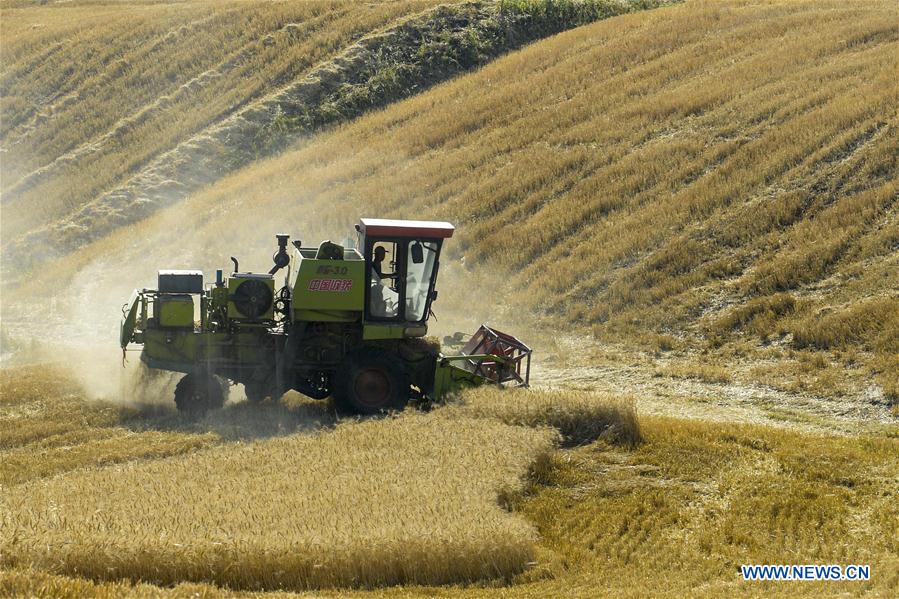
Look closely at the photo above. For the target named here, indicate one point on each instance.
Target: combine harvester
(344, 324)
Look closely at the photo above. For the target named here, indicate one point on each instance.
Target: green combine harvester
(345, 324)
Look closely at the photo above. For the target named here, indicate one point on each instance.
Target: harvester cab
(401, 270)
(349, 322)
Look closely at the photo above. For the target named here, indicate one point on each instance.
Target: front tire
(196, 394)
(371, 381)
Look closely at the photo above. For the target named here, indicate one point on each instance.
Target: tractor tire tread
(189, 402)
(371, 357)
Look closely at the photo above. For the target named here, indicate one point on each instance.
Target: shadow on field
(242, 420)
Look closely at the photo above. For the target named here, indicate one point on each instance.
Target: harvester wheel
(195, 394)
(256, 392)
(371, 381)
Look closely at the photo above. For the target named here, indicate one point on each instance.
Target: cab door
(385, 280)
(400, 277)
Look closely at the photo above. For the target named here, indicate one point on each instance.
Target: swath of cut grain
(405, 500)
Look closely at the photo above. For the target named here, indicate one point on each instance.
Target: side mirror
(418, 253)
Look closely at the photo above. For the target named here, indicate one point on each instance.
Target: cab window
(384, 296)
(421, 256)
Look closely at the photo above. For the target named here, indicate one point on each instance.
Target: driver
(377, 263)
(379, 303)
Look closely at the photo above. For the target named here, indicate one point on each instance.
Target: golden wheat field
(491, 498)
(689, 211)
(181, 100)
(328, 509)
(153, 72)
(645, 175)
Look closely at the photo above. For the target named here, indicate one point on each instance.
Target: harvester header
(347, 322)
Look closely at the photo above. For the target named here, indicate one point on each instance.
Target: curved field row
(165, 149)
(91, 93)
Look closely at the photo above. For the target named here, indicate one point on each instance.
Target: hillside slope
(116, 147)
(92, 92)
(645, 173)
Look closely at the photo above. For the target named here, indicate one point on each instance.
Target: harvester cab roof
(382, 227)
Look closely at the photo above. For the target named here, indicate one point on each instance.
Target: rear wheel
(371, 381)
(256, 392)
(197, 393)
